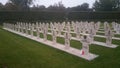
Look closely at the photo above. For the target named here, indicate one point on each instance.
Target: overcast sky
(67, 3)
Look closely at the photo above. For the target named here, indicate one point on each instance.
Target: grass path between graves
(115, 35)
(20, 52)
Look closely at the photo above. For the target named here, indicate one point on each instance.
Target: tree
(82, 7)
(38, 8)
(106, 5)
(96, 6)
(117, 4)
(1, 7)
(21, 4)
(10, 7)
(56, 7)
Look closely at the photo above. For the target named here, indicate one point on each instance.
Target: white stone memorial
(85, 44)
(54, 36)
(45, 33)
(67, 37)
(37, 30)
(109, 36)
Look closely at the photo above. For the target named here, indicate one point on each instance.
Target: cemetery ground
(19, 52)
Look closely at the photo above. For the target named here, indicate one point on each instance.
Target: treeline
(58, 16)
(20, 10)
(30, 16)
(13, 5)
(24, 5)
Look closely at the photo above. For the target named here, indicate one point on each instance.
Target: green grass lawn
(101, 30)
(117, 42)
(100, 33)
(117, 35)
(20, 52)
(100, 39)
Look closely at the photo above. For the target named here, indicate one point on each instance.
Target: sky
(67, 3)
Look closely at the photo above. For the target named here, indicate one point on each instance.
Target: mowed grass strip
(117, 35)
(20, 52)
(98, 33)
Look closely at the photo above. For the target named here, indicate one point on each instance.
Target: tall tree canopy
(1, 6)
(106, 5)
(82, 7)
(21, 4)
(56, 7)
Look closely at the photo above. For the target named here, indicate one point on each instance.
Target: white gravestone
(68, 27)
(14, 27)
(105, 25)
(21, 27)
(37, 31)
(67, 37)
(29, 29)
(51, 26)
(26, 28)
(45, 33)
(54, 36)
(91, 35)
(118, 28)
(18, 27)
(85, 44)
(107, 28)
(113, 25)
(59, 29)
(40, 27)
(32, 30)
(109, 36)
(77, 32)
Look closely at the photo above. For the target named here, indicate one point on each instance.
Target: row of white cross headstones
(55, 29)
(116, 27)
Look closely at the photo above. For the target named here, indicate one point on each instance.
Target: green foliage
(100, 16)
(56, 7)
(82, 7)
(1, 6)
(106, 5)
(30, 16)
(21, 5)
(45, 16)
